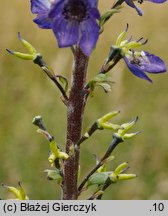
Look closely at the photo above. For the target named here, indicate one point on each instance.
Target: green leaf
(53, 175)
(98, 178)
(64, 82)
(102, 80)
(107, 15)
(106, 87)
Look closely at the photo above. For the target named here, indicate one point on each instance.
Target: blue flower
(141, 62)
(74, 22)
(131, 4)
(138, 62)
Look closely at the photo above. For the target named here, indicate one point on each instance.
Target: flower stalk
(37, 58)
(113, 145)
(75, 108)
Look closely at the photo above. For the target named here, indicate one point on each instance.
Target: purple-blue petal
(136, 70)
(40, 6)
(57, 8)
(157, 1)
(43, 21)
(94, 13)
(152, 63)
(131, 4)
(68, 29)
(67, 33)
(89, 31)
(93, 3)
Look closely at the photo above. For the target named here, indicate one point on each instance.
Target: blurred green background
(26, 92)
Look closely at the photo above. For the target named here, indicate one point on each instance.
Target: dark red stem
(75, 108)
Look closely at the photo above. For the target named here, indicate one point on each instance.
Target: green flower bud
(21, 55)
(117, 175)
(52, 159)
(126, 45)
(120, 168)
(27, 45)
(104, 124)
(126, 176)
(110, 158)
(127, 126)
(38, 121)
(56, 154)
(108, 116)
(103, 168)
(63, 155)
(122, 132)
(54, 148)
(113, 177)
(32, 55)
(121, 37)
(18, 193)
(128, 136)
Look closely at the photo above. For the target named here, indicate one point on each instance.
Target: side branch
(39, 61)
(114, 143)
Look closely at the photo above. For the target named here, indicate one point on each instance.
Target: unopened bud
(18, 193)
(128, 136)
(126, 176)
(120, 168)
(32, 55)
(38, 121)
(127, 126)
(63, 155)
(113, 177)
(104, 124)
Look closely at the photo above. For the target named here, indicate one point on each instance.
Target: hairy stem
(75, 108)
